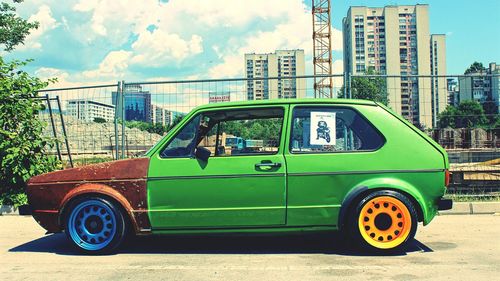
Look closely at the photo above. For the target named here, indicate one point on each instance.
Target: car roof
(306, 101)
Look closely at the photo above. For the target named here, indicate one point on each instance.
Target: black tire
(387, 227)
(95, 225)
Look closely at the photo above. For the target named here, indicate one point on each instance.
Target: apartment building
(161, 115)
(482, 86)
(395, 40)
(281, 64)
(89, 110)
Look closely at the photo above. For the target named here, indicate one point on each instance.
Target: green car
(308, 165)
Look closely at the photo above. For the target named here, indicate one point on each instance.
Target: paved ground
(453, 247)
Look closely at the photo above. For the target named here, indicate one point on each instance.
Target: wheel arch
(365, 188)
(98, 190)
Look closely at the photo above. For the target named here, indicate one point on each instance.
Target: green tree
(471, 115)
(475, 68)
(368, 88)
(447, 118)
(23, 147)
(177, 119)
(468, 114)
(13, 29)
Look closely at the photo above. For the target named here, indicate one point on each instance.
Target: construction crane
(322, 49)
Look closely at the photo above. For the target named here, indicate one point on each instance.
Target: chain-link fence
(105, 122)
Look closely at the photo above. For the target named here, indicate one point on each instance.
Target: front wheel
(383, 220)
(95, 225)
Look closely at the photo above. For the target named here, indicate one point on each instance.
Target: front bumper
(444, 204)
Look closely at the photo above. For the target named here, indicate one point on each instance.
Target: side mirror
(202, 153)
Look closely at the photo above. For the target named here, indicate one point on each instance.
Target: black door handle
(270, 165)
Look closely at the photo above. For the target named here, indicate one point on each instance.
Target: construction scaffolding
(322, 48)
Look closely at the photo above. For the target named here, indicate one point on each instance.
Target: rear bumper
(444, 204)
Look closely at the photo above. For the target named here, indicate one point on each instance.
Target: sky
(84, 42)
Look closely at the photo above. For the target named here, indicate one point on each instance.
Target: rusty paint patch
(124, 181)
(122, 169)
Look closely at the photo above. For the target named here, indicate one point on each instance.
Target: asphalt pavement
(458, 247)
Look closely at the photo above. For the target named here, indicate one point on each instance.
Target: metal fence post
(349, 80)
(122, 96)
(63, 126)
(53, 127)
(344, 81)
(117, 106)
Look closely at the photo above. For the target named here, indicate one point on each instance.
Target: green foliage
(13, 198)
(23, 148)
(468, 114)
(367, 88)
(153, 128)
(99, 120)
(13, 29)
(259, 129)
(476, 67)
(148, 127)
(177, 119)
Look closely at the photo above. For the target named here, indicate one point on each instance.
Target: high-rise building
(89, 110)
(161, 115)
(439, 85)
(395, 40)
(137, 103)
(482, 86)
(281, 64)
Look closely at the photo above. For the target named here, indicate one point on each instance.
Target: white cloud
(63, 77)
(45, 73)
(183, 30)
(293, 32)
(44, 17)
(158, 48)
(114, 66)
(181, 25)
(116, 20)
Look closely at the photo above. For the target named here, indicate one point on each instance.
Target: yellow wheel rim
(384, 222)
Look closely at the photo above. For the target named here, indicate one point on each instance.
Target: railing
(104, 122)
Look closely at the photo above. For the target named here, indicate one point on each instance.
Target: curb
(473, 208)
(6, 210)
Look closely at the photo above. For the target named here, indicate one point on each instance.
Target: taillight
(447, 175)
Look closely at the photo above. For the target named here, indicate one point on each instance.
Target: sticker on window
(322, 128)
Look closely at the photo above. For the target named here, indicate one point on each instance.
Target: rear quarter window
(332, 129)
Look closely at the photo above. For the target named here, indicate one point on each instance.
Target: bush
(99, 120)
(23, 148)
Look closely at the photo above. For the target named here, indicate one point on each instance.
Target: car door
(237, 186)
(331, 149)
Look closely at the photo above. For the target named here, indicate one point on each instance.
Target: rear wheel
(384, 220)
(95, 225)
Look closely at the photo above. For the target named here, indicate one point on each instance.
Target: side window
(332, 129)
(183, 143)
(243, 132)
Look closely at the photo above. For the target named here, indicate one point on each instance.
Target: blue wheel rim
(92, 225)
